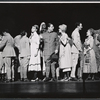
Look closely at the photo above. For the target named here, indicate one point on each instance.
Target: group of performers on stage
(50, 56)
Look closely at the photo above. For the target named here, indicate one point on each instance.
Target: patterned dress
(34, 64)
(90, 65)
(97, 50)
(1, 59)
(65, 53)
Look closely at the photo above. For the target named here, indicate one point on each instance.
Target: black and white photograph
(49, 50)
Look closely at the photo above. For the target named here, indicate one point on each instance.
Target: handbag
(54, 57)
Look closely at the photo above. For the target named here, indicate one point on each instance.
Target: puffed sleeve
(3, 42)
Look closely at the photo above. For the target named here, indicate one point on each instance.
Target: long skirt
(90, 65)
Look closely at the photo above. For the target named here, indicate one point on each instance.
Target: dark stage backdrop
(18, 16)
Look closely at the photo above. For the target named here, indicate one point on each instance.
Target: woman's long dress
(65, 53)
(2, 67)
(90, 65)
(34, 64)
(97, 50)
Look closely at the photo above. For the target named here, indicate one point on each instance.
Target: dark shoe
(80, 79)
(12, 80)
(8, 81)
(15, 79)
(58, 78)
(62, 80)
(53, 80)
(22, 79)
(89, 78)
(46, 79)
(73, 79)
(26, 80)
(96, 78)
(66, 79)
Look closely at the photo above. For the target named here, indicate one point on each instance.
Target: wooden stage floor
(70, 89)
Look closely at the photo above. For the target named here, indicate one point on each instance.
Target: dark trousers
(16, 65)
(50, 65)
(81, 65)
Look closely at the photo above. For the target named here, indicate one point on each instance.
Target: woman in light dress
(97, 50)
(2, 67)
(34, 64)
(1, 59)
(90, 65)
(64, 52)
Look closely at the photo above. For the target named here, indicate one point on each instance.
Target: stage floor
(70, 89)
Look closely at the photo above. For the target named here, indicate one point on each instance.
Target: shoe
(73, 79)
(58, 78)
(26, 80)
(46, 79)
(53, 80)
(8, 81)
(32, 80)
(80, 79)
(89, 78)
(43, 79)
(62, 80)
(66, 79)
(96, 78)
(37, 79)
(12, 80)
(22, 79)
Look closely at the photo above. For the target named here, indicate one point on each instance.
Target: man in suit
(24, 50)
(50, 39)
(76, 49)
(7, 44)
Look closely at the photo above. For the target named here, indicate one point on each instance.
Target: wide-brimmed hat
(54, 57)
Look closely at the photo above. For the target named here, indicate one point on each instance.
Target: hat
(43, 23)
(53, 57)
(36, 26)
(63, 27)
